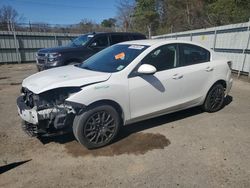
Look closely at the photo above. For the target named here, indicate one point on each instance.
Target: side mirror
(146, 69)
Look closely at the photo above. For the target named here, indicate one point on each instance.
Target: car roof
(152, 42)
(119, 33)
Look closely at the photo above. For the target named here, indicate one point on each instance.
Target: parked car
(123, 84)
(81, 49)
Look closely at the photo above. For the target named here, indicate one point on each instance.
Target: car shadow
(164, 119)
(154, 81)
(127, 130)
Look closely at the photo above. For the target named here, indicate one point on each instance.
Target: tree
(86, 25)
(223, 12)
(125, 10)
(9, 17)
(186, 15)
(108, 22)
(146, 15)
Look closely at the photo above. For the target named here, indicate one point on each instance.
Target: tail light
(229, 63)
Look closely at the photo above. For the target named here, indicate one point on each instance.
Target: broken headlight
(48, 98)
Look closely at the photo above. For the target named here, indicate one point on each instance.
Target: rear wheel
(97, 127)
(215, 98)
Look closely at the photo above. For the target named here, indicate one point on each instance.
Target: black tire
(38, 69)
(97, 127)
(215, 98)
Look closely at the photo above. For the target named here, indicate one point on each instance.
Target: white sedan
(123, 84)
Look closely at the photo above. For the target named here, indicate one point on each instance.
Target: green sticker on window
(120, 67)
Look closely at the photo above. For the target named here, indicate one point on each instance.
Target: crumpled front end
(47, 113)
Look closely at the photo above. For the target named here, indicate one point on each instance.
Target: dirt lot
(184, 149)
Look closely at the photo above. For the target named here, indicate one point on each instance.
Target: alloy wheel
(100, 127)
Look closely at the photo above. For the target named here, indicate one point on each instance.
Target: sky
(63, 11)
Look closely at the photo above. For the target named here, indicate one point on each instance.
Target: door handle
(177, 76)
(209, 69)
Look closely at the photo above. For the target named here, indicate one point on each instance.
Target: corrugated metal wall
(22, 46)
(231, 41)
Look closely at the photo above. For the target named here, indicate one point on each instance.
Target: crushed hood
(66, 76)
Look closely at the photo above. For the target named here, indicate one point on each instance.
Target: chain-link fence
(19, 42)
(18, 46)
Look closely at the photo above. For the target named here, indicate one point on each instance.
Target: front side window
(114, 58)
(101, 42)
(191, 54)
(162, 58)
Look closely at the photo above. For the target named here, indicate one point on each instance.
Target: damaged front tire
(97, 127)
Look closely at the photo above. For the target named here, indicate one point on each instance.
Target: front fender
(116, 92)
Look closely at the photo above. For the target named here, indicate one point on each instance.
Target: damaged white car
(123, 84)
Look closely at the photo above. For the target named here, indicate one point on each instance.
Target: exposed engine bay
(48, 112)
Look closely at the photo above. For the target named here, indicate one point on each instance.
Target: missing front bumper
(44, 122)
(26, 113)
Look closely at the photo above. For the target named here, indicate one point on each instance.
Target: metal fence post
(191, 36)
(16, 43)
(215, 38)
(244, 52)
(248, 45)
(56, 42)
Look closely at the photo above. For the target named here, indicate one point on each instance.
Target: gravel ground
(185, 149)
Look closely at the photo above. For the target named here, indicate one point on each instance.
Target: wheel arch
(220, 81)
(204, 105)
(112, 103)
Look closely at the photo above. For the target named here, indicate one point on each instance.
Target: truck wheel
(97, 127)
(215, 99)
(38, 69)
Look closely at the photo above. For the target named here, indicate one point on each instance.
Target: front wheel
(215, 99)
(97, 127)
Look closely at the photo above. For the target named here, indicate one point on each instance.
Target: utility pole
(30, 26)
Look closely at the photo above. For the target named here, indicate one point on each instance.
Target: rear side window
(119, 38)
(138, 37)
(191, 54)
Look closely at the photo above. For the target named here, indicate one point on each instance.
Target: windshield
(81, 41)
(114, 58)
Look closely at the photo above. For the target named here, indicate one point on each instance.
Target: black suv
(81, 48)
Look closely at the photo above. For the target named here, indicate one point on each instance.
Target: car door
(196, 69)
(158, 93)
(97, 44)
(79, 50)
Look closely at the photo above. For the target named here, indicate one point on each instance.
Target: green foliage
(229, 11)
(109, 22)
(164, 16)
(146, 16)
